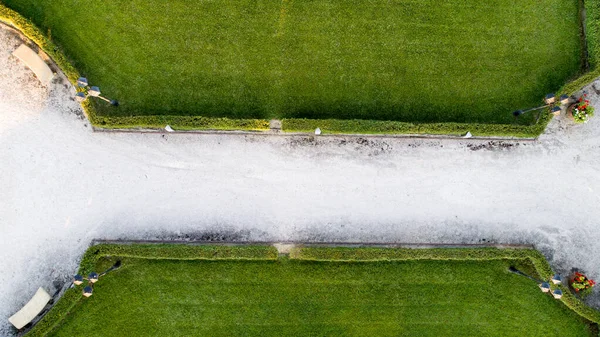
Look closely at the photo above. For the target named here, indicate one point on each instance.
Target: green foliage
(253, 61)
(177, 252)
(181, 123)
(338, 126)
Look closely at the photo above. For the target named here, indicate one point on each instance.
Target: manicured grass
(295, 297)
(412, 61)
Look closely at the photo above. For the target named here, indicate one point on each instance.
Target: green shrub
(177, 252)
(337, 126)
(176, 122)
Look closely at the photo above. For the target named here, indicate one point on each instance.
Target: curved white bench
(31, 309)
(35, 63)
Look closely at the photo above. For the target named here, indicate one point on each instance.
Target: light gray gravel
(63, 185)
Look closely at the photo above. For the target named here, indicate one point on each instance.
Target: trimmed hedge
(399, 254)
(176, 252)
(176, 122)
(337, 126)
(145, 251)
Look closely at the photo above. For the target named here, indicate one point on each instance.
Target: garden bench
(35, 63)
(30, 310)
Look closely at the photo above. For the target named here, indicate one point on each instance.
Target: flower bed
(581, 284)
(581, 111)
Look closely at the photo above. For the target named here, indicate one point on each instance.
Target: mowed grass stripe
(287, 297)
(416, 61)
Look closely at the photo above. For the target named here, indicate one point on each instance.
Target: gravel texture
(64, 185)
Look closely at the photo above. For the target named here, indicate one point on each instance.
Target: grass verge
(233, 290)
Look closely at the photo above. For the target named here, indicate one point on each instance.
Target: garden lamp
(87, 291)
(556, 279)
(93, 277)
(550, 98)
(82, 82)
(77, 279)
(557, 294)
(564, 99)
(555, 111)
(545, 287)
(94, 92)
(80, 96)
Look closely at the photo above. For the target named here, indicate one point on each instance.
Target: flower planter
(585, 110)
(581, 293)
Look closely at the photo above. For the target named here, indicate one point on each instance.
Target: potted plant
(581, 111)
(581, 284)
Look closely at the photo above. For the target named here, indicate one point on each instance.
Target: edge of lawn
(332, 126)
(72, 296)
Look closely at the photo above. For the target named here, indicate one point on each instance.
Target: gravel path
(63, 185)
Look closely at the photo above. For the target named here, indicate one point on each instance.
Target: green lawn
(302, 298)
(466, 61)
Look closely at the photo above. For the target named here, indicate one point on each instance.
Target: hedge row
(26, 27)
(176, 252)
(176, 122)
(337, 126)
(400, 254)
